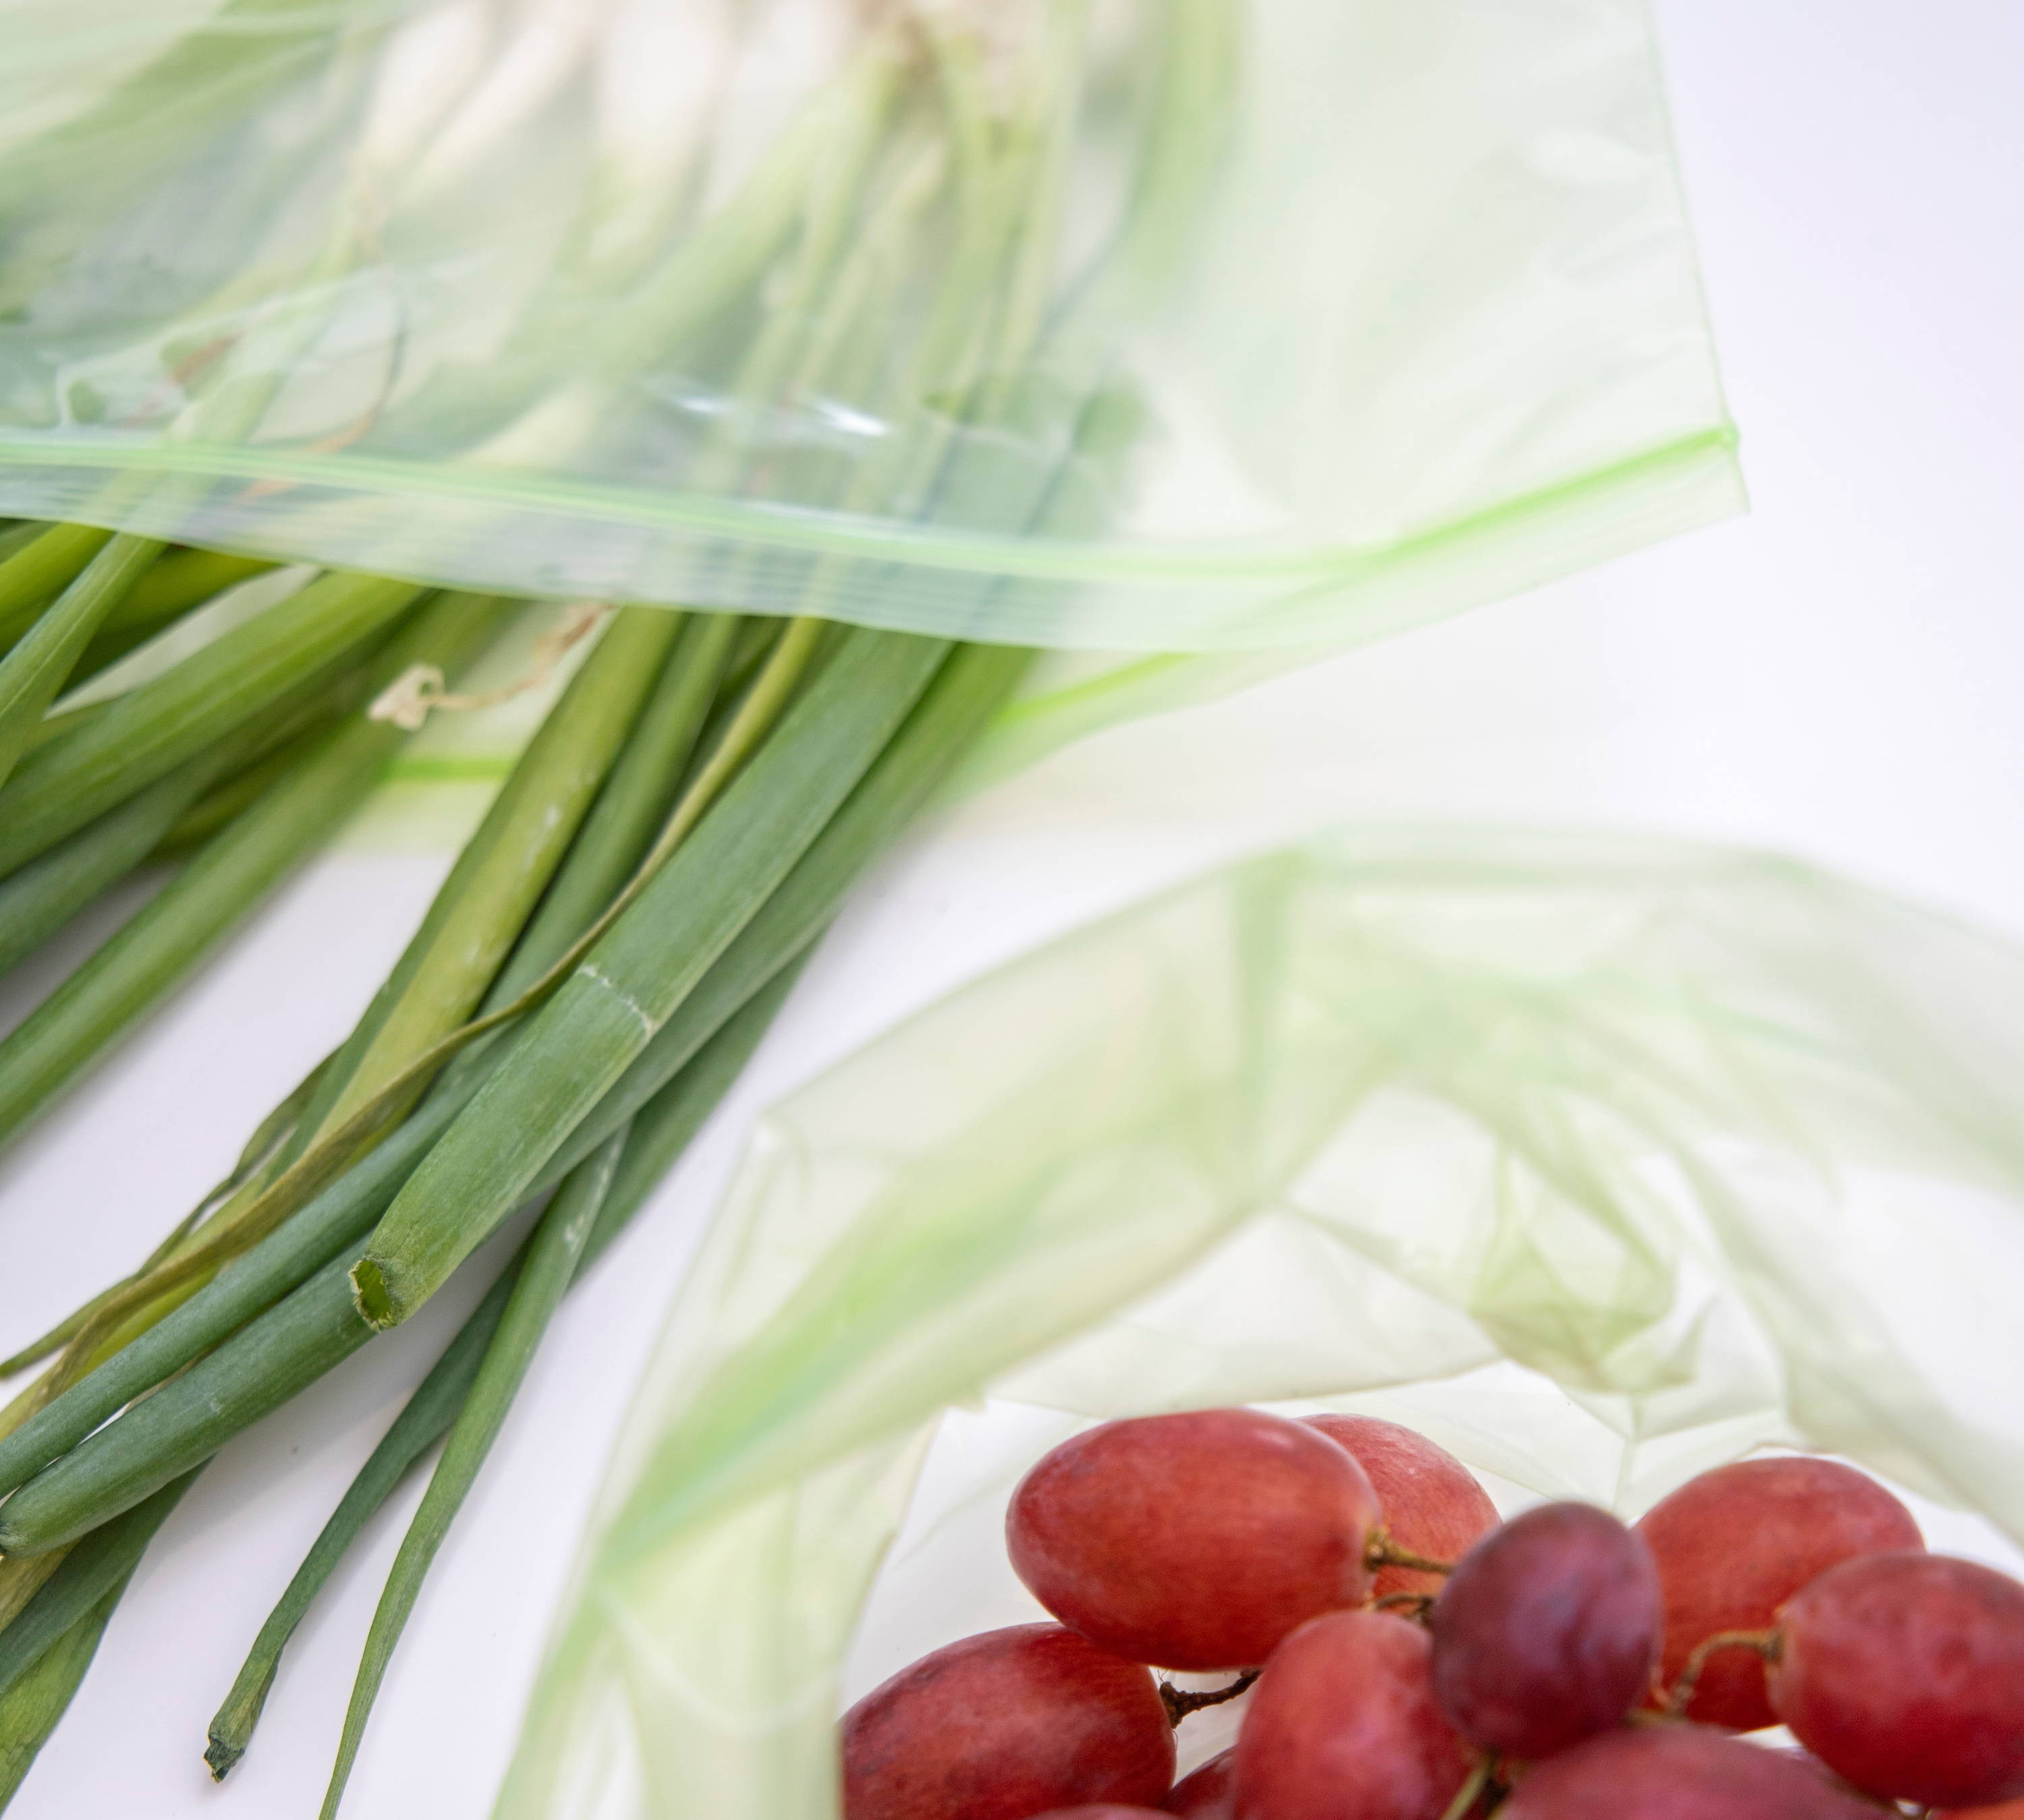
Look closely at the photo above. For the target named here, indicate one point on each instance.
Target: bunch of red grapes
(1415, 1659)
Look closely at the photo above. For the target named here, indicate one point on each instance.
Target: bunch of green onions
(613, 940)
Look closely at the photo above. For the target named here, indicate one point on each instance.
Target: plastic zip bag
(1149, 325)
(1601, 1160)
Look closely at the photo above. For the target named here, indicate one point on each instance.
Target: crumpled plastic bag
(1602, 1159)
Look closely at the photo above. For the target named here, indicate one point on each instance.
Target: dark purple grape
(1734, 1544)
(1196, 1541)
(1677, 1772)
(1905, 1674)
(1004, 1726)
(1547, 1631)
(1342, 1726)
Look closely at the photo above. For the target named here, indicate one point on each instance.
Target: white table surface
(1836, 676)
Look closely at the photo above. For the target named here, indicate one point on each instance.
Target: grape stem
(1415, 1605)
(1471, 1792)
(1384, 1552)
(1179, 1705)
(1764, 1643)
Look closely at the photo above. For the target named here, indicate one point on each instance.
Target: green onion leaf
(157, 948)
(658, 1135)
(186, 1421)
(36, 668)
(549, 1264)
(36, 573)
(31, 1708)
(97, 1565)
(503, 868)
(60, 786)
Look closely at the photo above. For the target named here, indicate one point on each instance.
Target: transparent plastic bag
(1601, 1160)
(1144, 325)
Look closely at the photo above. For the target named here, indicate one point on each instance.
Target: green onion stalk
(613, 939)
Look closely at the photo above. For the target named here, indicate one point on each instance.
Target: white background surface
(1836, 676)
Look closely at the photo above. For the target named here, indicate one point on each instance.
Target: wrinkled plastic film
(1160, 325)
(1602, 1159)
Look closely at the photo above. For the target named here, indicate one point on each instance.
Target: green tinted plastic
(1163, 325)
(1602, 1160)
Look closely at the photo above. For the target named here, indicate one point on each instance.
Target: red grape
(2003, 1810)
(1102, 1810)
(1206, 1795)
(1432, 1505)
(1677, 1772)
(1195, 1541)
(1734, 1544)
(1342, 1726)
(1005, 1725)
(1905, 1674)
(1547, 1631)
